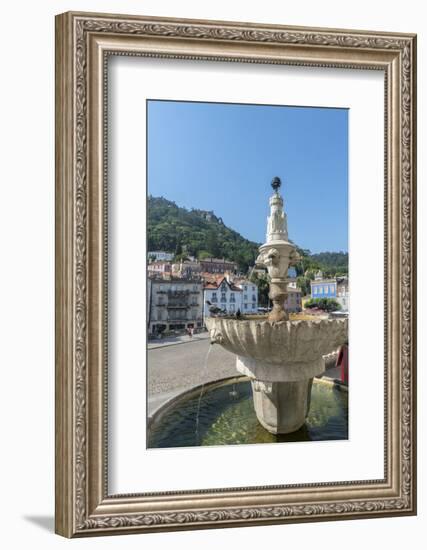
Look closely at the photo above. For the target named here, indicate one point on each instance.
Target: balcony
(178, 293)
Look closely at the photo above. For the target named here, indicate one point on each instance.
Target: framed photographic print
(235, 274)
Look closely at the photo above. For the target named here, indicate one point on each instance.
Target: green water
(227, 417)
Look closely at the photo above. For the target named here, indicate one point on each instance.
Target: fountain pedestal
(282, 407)
(281, 393)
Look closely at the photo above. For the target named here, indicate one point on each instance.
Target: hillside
(196, 232)
(331, 263)
(201, 233)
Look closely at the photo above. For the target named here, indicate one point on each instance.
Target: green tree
(178, 249)
(304, 284)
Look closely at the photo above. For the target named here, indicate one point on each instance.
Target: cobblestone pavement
(176, 368)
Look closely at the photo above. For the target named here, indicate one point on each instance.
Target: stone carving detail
(80, 282)
(241, 514)
(82, 28)
(277, 226)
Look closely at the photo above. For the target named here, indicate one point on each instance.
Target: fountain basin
(227, 417)
(281, 359)
(280, 351)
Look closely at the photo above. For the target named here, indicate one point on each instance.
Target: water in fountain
(226, 419)
(204, 372)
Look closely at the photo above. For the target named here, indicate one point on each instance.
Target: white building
(160, 255)
(343, 293)
(223, 294)
(249, 296)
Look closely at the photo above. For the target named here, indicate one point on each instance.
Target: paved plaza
(173, 369)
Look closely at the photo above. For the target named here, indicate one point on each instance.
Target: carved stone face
(260, 259)
(273, 257)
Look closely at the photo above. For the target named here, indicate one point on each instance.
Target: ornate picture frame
(84, 42)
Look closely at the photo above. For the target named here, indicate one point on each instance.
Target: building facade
(176, 305)
(324, 288)
(343, 293)
(186, 268)
(160, 255)
(292, 277)
(337, 288)
(215, 265)
(223, 294)
(249, 296)
(159, 268)
(293, 302)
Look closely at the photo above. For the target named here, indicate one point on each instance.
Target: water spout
(204, 373)
(216, 336)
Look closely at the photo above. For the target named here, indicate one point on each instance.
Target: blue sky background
(222, 157)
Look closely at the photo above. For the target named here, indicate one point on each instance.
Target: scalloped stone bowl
(281, 359)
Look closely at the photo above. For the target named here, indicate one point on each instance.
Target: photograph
(248, 282)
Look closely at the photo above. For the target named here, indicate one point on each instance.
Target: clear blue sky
(222, 157)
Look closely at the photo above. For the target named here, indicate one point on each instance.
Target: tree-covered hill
(335, 260)
(197, 233)
(202, 234)
(330, 263)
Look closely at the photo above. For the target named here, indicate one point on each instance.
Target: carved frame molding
(83, 44)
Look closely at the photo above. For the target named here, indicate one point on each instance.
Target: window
(320, 289)
(232, 297)
(214, 297)
(245, 297)
(326, 289)
(253, 298)
(315, 290)
(331, 289)
(246, 306)
(245, 287)
(223, 297)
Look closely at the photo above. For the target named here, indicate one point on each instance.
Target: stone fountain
(280, 356)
